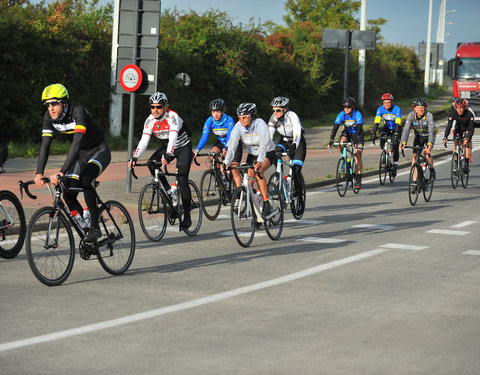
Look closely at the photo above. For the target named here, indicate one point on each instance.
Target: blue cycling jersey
(221, 128)
(392, 117)
(350, 123)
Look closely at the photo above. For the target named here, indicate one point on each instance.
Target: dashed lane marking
(400, 246)
(472, 252)
(449, 232)
(463, 224)
(304, 221)
(321, 240)
(373, 226)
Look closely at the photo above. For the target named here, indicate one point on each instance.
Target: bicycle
(420, 179)
(293, 195)
(245, 211)
(50, 244)
(13, 226)
(156, 206)
(216, 187)
(385, 165)
(458, 164)
(346, 169)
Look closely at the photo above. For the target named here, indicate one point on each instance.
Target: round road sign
(131, 77)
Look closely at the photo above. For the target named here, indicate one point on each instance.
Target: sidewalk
(319, 168)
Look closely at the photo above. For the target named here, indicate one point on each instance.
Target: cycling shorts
(100, 156)
(421, 140)
(271, 156)
(300, 151)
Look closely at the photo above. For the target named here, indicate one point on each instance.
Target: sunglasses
(55, 103)
(348, 106)
(278, 110)
(156, 106)
(241, 117)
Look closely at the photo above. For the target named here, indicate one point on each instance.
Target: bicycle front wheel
(413, 184)
(341, 178)
(274, 225)
(116, 245)
(242, 217)
(465, 175)
(210, 195)
(454, 170)
(12, 225)
(50, 246)
(427, 185)
(195, 210)
(152, 212)
(299, 197)
(382, 168)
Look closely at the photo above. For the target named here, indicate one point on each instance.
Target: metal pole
(131, 119)
(429, 48)
(361, 56)
(348, 37)
(115, 110)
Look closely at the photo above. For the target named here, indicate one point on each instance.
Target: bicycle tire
(281, 186)
(299, 198)
(342, 177)
(210, 195)
(391, 177)
(382, 168)
(353, 173)
(427, 185)
(116, 245)
(152, 212)
(454, 170)
(242, 217)
(464, 175)
(195, 210)
(413, 186)
(51, 262)
(13, 226)
(274, 225)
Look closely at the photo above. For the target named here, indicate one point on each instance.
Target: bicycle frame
(250, 194)
(218, 176)
(283, 186)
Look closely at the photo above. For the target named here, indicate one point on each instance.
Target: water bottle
(78, 218)
(259, 198)
(174, 193)
(289, 182)
(424, 168)
(86, 217)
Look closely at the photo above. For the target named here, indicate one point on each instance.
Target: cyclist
(288, 125)
(464, 128)
(352, 121)
(221, 125)
(255, 136)
(392, 116)
(169, 128)
(87, 158)
(424, 129)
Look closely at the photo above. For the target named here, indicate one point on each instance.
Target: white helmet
(158, 97)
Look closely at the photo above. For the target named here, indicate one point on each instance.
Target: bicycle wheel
(152, 212)
(341, 177)
(382, 168)
(50, 246)
(274, 225)
(299, 197)
(275, 179)
(454, 170)
(116, 246)
(413, 185)
(195, 210)
(391, 177)
(211, 195)
(12, 225)
(242, 217)
(427, 185)
(464, 163)
(353, 175)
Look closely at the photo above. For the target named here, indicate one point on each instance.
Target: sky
(407, 19)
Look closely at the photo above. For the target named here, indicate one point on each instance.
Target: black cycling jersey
(464, 124)
(79, 127)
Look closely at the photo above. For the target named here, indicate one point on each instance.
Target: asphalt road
(364, 284)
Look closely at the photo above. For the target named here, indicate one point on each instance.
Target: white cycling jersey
(288, 126)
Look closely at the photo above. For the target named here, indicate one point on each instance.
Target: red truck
(464, 69)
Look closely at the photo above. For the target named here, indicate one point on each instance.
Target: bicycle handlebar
(247, 166)
(25, 185)
(155, 163)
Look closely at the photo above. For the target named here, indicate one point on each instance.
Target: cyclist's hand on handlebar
(224, 152)
(291, 151)
(39, 179)
(257, 165)
(195, 154)
(168, 158)
(132, 162)
(330, 144)
(402, 146)
(373, 138)
(54, 178)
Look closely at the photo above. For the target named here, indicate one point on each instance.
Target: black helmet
(349, 102)
(249, 109)
(419, 101)
(279, 101)
(158, 97)
(460, 103)
(217, 105)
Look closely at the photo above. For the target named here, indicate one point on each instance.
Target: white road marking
(304, 221)
(373, 226)
(472, 252)
(463, 224)
(258, 233)
(321, 240)
(449, 232)
(187, 305)
(399, 246)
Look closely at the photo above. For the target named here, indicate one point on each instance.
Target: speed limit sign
(131, 77)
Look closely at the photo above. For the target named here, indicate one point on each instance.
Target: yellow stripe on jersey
(80, 129)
